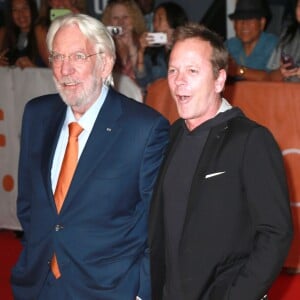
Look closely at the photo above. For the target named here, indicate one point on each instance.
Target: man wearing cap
(251, 48)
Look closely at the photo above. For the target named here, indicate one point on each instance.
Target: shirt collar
(225, 105)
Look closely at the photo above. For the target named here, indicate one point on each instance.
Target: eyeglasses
(57, 59)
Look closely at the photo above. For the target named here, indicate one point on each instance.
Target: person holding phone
(285, 60)
(127, 15)
(44, 20)
(153, 56)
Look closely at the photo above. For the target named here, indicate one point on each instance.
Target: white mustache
(69, 81)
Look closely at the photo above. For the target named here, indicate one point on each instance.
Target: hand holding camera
(115, 30)
(157, 39)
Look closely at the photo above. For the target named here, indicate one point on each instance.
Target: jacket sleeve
(266, 193)
(23, 199)
(153, 156)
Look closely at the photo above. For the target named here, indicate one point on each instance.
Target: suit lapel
(207, 160)
(51, 127)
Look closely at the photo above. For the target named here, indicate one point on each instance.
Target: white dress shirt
(86, 122)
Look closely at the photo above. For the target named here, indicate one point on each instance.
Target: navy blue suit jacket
(100, 235)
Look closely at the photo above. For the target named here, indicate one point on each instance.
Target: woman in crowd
(18, 45)
(285, 60)
(127, 15)
(152, 61)
(44, 20)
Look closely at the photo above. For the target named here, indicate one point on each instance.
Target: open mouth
(182, 98)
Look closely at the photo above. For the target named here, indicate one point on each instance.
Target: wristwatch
(242, 71)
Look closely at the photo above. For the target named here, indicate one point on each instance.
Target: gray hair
(93, 29)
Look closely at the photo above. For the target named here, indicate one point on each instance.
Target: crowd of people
(254, 53)
(23, 36)
(258, 55)
(114, 202)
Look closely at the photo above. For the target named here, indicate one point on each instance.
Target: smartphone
(57, 12)
(286, 58)
(115, 30)
(157, 39)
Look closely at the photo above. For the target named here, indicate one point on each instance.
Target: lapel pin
(108, 129)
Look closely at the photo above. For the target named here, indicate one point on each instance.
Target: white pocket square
(214, 174)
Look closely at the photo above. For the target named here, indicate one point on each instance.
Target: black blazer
(237, 228)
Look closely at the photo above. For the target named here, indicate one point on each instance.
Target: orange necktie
(65, 176)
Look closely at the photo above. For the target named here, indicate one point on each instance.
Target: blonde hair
(138, 21)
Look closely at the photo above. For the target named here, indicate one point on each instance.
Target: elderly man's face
(248, 31)
(79, 82)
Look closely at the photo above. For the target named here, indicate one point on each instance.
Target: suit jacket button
(58, 227)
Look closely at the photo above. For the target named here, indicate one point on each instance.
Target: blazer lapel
(51, 127)
(208, 158)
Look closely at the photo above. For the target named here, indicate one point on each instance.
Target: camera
(57, 12)
(115, 30)
(286, 58)
(157, 39)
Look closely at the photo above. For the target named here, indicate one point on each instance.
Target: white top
(225, 105)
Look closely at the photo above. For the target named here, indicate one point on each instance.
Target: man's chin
(71, 101)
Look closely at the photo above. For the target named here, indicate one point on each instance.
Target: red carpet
(286, 287)
(10, 248)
